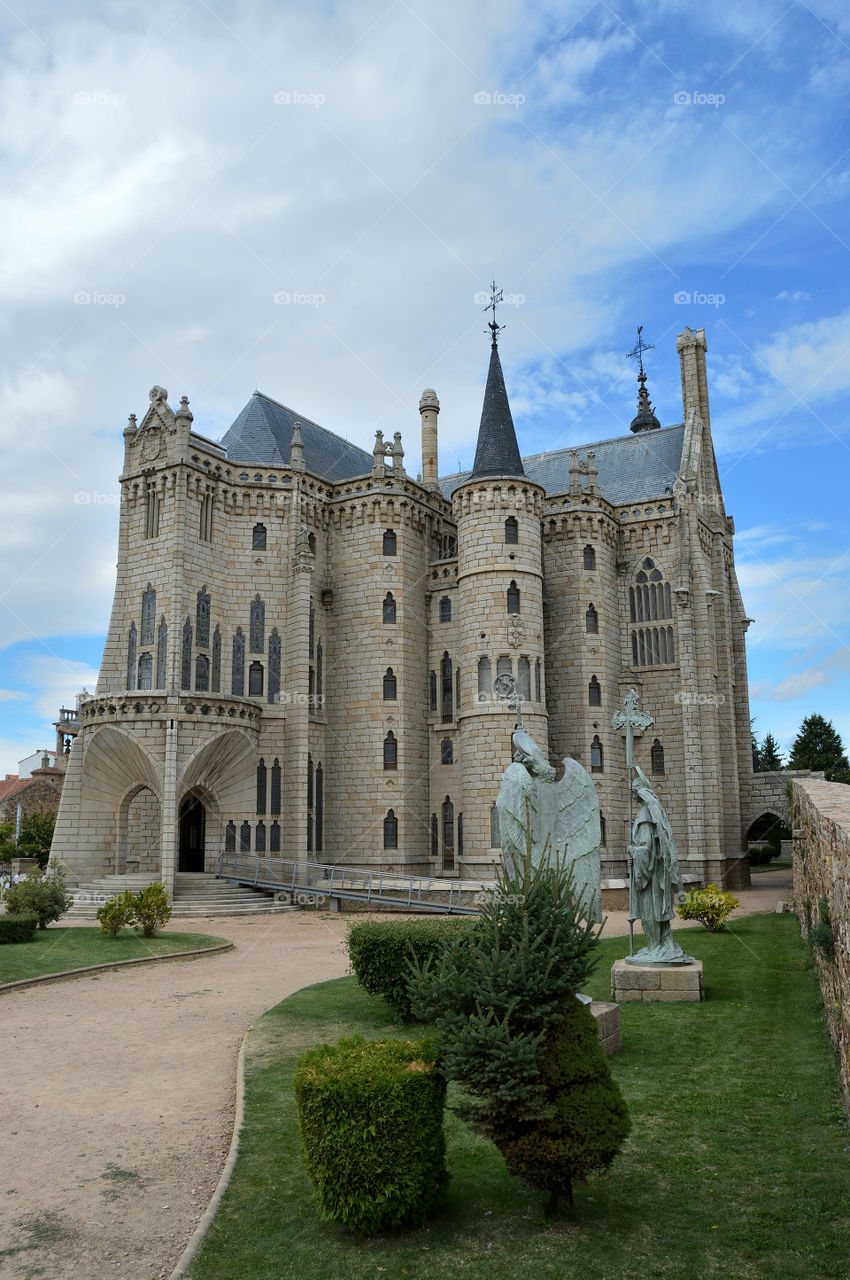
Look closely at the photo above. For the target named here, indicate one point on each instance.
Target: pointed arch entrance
(192, 837)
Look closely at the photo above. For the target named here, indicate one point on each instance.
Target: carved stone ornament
(516, 633)
(151, 445)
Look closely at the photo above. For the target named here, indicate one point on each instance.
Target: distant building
(304, 640)
(35, 790)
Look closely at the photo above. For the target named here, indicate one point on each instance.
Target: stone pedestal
(656, 982)
(609, 1021)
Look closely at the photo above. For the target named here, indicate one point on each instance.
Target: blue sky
(169, 173)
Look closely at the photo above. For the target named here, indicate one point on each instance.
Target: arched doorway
(192, 835)
(764, 838)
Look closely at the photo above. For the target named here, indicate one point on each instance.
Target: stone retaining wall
(821, 824)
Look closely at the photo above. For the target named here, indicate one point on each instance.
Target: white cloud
(57, 681)
(819, 675)
(11, 695)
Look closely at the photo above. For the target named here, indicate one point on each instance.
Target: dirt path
(118, 1093)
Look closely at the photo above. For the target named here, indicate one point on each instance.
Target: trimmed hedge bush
(371, 1117)
(710, 906)
(381, 952)
(46, 899)
(17, 928)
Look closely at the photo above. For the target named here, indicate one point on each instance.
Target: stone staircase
(194, 895)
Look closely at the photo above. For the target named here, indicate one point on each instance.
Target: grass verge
(55, 949)
(737, 1165)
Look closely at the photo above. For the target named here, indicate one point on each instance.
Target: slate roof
(262, 433)
(632, 468)
(497, 452)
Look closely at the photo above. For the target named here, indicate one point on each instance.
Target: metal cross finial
(496, 297)
(638, 350)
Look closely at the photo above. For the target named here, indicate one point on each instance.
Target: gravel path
(119, 1092)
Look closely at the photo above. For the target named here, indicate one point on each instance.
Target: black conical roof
(497, 452)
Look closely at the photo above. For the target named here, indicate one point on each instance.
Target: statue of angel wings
(563, 816)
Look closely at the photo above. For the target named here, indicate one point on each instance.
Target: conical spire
(497, 452)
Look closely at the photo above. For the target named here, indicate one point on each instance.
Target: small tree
(47, 899)
(818, 746)
(770, 757)
(150, 909)
(514, 1034)
(117, 912)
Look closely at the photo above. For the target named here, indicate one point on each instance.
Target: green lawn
(55, 949)
(737, 1165)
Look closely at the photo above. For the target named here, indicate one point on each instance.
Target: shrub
(371, 1117)
(17, 928)
(381, 951)
(762, 854)
(821, 936)
(45, 899)
(710, 906)
(117, 912)
(150, 909)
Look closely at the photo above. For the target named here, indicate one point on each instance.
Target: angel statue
(563, 816)
(655, 878)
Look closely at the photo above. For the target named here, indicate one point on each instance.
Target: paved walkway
(119, 1092)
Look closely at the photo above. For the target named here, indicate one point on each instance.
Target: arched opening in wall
(192, 841)
(764, 838)
(139, 833)
(448, 812)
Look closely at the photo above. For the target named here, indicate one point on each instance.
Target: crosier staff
(631, 719)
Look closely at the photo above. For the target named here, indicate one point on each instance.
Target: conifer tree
(770, 757)
(513, 1032)
(818, 745)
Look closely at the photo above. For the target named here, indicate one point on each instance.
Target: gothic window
(215, 681)
(161, 653)
(202, 673)
(237, 675)
(275, 795)
(447, 687)
(448, 834)
(389, 608)
(591, 620)
(589, 558)
(504, 666)
(274, 666)
(511, 530)
(513, 597)
(258, 625)
(603, 838)
(148, 616)
(202, 619)
(538, 689)
(261, 787)
(230, 838)
(258, 540)
(483, 679)
(390, 542)
(255, 680)
(390, 830)
(596, 757)
(245, 838)
(435, 837)
(131, 657)
(151, 513)
(447, 751)
(460, 835)
(495, 833)
(445, 609)
(320, 675)
(390, 685)
(206, 518)
(145, 671)
(260, 837)
(390, 751)
(657, 755)
(320, 808)
(309, 832)
(186, 662)
(524, 678)
(457, 688)
(274, 838)
(432, 690)
(594, 693)
(311, 633)
(310, 779)
(650, 602)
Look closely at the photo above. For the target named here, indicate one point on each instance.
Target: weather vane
(638, 350)
(495, 298)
